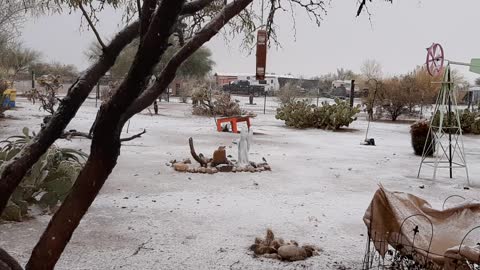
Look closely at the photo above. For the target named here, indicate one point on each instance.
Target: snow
(149, 217)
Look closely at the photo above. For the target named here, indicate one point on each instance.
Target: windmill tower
(445, 131)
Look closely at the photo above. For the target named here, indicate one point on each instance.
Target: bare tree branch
(138, 135)
(146, 15)
(106, 144)
(73, 133)
(168, 73)
(15, 170)
(85, 14)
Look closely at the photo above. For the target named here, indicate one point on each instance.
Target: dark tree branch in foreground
(200, 160)
(73, 133)
(363, 5)
(92, 26)
(14, 171)
(7, 262)
(168, 73)
(105, 147)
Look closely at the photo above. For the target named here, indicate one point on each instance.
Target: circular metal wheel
(435, 59)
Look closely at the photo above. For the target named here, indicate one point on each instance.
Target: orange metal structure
(233, 121)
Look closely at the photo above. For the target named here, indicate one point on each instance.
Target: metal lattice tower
(447, 141)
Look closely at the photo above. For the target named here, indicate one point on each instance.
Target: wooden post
(33, 79)
(352, 93)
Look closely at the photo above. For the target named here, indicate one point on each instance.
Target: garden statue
(244, 146)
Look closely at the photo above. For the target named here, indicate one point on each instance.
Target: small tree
(287, 93)
(394, 100)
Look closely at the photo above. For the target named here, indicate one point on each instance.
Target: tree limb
(73, 133)
(195, 6)
(105, 147)
(146, 15)
(134, 136)
(200, 160)
(168, 73)
(14, 171)
(85, 14)
(8, 262)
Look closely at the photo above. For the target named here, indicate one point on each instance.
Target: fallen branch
(73, 133)
(134, 136)
(142, 246)
(200, 160)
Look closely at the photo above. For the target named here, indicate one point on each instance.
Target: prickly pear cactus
(302, 114)
(48, 181)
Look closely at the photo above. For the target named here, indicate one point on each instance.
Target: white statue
(244, 146)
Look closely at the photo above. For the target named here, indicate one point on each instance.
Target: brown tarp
(439, 232)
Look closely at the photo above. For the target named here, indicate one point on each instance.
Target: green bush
(469, 121)
(419, 133)
(47, 182)
(302, 114)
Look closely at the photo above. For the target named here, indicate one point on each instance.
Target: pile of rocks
(219, 163)
(277, 248)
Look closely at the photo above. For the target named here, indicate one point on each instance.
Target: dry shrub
(211, 103)
(107, 93)
(48, 95)
(287, 94)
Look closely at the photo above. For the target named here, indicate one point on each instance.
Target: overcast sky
(396, 37)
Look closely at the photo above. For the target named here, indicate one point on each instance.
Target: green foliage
(470, 121)
(47, 182)
(302, 114)
(198, 65)
(419, 134)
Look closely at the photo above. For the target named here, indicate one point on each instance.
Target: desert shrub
(420, 136)
(215, 103)
(186, 89)
(48, 95)
(107, 92)
(302, 114)
(48, 181)
(470, 121)
(287, 94)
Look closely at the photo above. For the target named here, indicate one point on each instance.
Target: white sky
(396, 37)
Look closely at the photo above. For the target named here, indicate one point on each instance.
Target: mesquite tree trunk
(105, 146)
(16, 169)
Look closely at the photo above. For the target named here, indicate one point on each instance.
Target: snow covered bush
(302, 114)
(214, 103)
(47, 182)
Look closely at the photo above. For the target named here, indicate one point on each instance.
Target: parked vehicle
(243, 87)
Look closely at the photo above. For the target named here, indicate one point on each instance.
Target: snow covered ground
(149, 217)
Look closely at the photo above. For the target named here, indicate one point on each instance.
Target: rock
(267, 168)
(234, 169)
(209, 170)
(202, 170)
(220, 156)
(224, 168)
(293, 253)
(271, 256)
(214, 170)
(180, 167)
(187, 161)
(191, 170)
(251, 169)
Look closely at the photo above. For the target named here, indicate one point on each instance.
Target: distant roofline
(233, 74)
